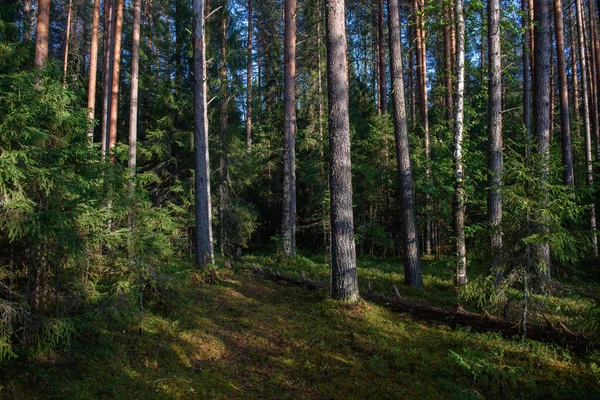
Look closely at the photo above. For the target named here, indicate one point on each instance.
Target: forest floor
(236, 335)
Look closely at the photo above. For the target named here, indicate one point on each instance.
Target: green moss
(242, 336)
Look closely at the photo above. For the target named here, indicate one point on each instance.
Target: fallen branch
(278, 276)
(557, 334)
(551, 333)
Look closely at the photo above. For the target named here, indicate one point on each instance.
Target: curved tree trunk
(410, 242)
(344, 283)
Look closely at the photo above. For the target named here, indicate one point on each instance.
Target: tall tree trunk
(565, 125)
(116, 69)
(288, 224)
(541, 109)
(41, 33)
(381, 63)
(223, 126)
(109, 23)
(459, 173)
(575, 80)
(448, 53)
(249, 81)
(204, 244)
(419, 6)
(410, 243)
(27, 20)
(135, 68)
(595, 55)
(67, 37)
(344, 282)
(586, 118)
(495, 198)
(91, 104)
(411, 78)
(526, 74)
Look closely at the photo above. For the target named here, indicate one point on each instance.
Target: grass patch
(241, 336)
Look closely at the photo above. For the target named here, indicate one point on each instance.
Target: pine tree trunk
(27, 20)
(459, 173)
(204, 246)
(135, 68)
(116, 69)
(448, 53)
(288, 224)
(495, 200)
(344, 283)
(91, 104)
(565, 125)
(526, 74)
(419, 6)
(41, 33)
(411, 78)
(67, 37)
(575, 80)
(381, 63)
(109, 23)
(410, 242)
(541, 110)
(223, 126)
(596, 73)
(249, 81)
(586, 118)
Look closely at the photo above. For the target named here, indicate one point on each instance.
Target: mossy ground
(241, 336)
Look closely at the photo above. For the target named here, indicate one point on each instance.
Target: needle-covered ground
(229, 335)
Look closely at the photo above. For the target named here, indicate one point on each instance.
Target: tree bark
(419, 6)
(494, 197)
(135, 68)
(459, 178)
(565, 125)
(596, 72)
(344, 283)
(223, 126)
(575, 80)
(109, 22)
(41, 33)
(91, 104)
(381, 63)
(526, 75)
(249, 81)
(116, 69)
(541, 110)
(410, 243)
(586, 118)
(27, 20)
(448, 53)
(67, 37)
(204, 243)
(288, 223)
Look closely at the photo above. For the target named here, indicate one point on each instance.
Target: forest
(317, 199)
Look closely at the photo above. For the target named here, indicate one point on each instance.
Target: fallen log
(551, 333)
(278, 276)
